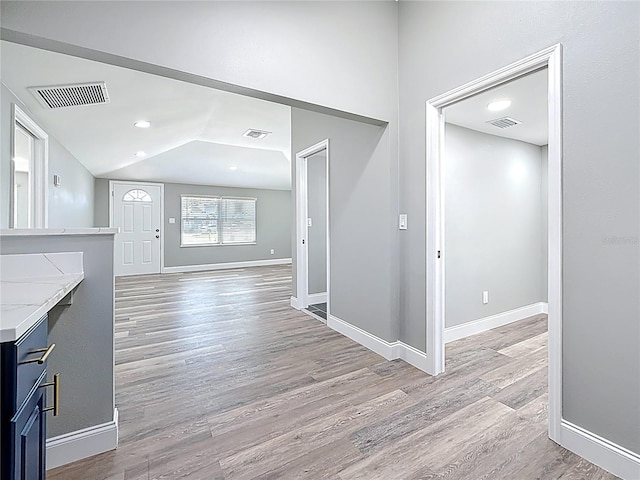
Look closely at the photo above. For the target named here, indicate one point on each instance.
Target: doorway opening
(436, 250)
(29, 168)
(312, 230)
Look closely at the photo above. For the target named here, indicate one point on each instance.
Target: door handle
(56, 394)
(157, 236)
(157, 229)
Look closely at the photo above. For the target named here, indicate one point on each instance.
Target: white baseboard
(600, 451)
(84, 443)
(295, 303)
(366, 339)
(314, 298)
(493, 321)
(226, 266)
(388, 350)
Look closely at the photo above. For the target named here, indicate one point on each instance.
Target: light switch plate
(172, 220)
(402, 221)
(309, 222)
(485, 297)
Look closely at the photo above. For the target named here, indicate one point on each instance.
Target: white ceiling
(528, 97)
(195, 135)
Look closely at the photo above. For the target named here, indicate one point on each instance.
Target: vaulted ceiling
(196, 133)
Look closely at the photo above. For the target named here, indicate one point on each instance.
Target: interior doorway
(29, 169)
(137, 211)
(436, 251)
(312, 229)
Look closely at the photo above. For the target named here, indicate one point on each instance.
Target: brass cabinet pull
(47, 351)
(56, 394)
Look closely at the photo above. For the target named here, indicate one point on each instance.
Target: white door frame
(302, 257)
(112, 183)
(550, 58)
(39, 168)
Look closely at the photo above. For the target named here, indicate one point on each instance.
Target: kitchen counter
(31, 285)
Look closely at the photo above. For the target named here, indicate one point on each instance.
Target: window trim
(219, 244)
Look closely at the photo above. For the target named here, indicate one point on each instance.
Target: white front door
(137, 212)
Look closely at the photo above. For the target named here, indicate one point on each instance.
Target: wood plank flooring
(217, 377)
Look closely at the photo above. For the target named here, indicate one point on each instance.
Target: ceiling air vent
(58, 96)
(504, 122)
(258, 134)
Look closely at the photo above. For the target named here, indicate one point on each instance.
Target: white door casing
(550, 58)
(303, 299)
(136, 210)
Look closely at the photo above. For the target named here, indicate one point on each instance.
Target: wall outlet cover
(172, 220)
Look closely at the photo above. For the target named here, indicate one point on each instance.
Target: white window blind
(217, 220)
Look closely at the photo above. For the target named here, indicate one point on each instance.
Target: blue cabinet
(22, 413)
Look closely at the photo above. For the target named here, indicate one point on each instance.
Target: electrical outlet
(272, 251)
(485, 297)
(172, 220)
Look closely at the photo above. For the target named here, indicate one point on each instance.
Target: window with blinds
(217, 220)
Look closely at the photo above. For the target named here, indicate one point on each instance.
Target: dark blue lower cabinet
(28, 429)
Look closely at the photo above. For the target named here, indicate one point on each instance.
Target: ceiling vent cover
(58, 96)
(257, 134)
(504, 122)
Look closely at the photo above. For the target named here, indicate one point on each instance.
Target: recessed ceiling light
(141, 154)
(499, 105)
(142, 124)
(233, 167)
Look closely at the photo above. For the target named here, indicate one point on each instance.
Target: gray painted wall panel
(317, 212)
(82, 332)
(360, 218)
(70, 204)
(492, 224)
(601, 202)
(273, 224)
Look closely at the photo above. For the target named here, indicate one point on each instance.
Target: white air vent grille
(504, 122)
(58, 96)
(252, 133)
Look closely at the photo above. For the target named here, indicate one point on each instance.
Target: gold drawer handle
(47, 351)
(56, 394)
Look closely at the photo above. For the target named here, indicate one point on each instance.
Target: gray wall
(70, 204)
(317, 212)
(273, 224)
(601, 265)
(360, 218)
(82, 332)
(493, 224)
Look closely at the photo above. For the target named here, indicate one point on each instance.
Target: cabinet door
(28, 428)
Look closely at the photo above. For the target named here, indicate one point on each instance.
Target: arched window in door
(136, 195)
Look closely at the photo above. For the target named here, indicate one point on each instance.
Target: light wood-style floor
(217, 377)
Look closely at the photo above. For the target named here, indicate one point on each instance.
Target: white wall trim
(295, 303)
(84, 443)
(600, 451)
(493, 321)
(226, 266)
(364, 338)
(388, 350)
(435, 249)
(313, 298)
(301, 209)
(39, 180)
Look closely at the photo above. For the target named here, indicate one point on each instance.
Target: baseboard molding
(388, 350)
(84, 443)
(366, 339)
(314, 298)
(226, 266)
(493, 321)
(600, 451)
(295, 303)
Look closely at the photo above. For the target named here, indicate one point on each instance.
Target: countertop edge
(29, 232)
(14, 333)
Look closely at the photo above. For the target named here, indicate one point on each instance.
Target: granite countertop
(31, 285)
